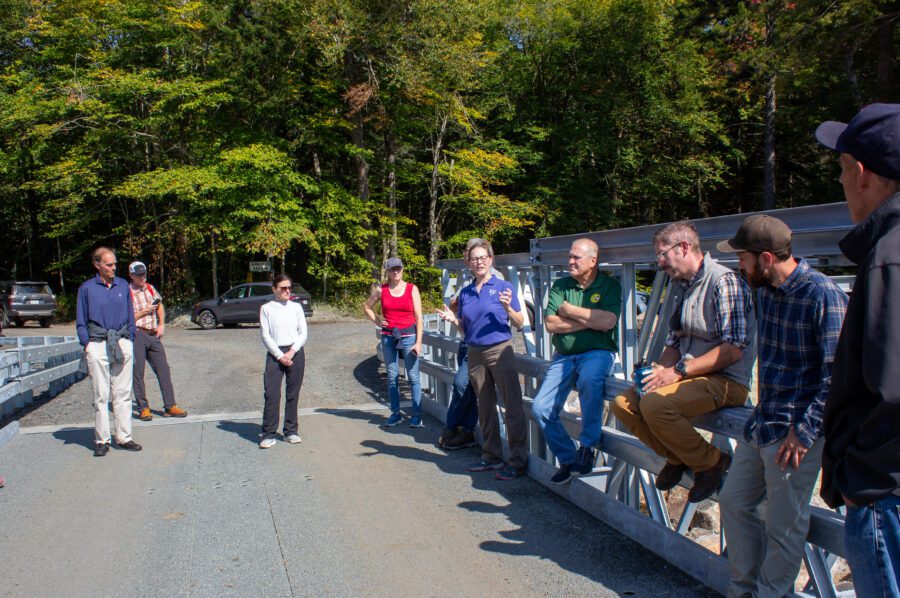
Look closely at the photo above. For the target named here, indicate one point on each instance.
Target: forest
(327, 135)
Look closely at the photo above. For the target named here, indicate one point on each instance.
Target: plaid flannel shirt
(799, 325)
(141, 298)
(732, 297)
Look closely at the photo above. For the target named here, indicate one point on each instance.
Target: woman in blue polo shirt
(485, 310)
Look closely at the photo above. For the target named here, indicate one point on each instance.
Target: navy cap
(872, 137)
(393, 262)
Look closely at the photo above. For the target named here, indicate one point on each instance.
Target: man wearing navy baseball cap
(861, 460)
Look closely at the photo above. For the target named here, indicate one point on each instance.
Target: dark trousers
(149, 349)
(274, 374)
(463, 408)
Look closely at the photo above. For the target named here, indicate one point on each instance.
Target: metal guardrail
(30, 362)
(622, 488)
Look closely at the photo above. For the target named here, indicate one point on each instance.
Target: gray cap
(137, 268)
(393, 262)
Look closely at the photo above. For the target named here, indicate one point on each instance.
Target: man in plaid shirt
(800, 313)
(150, 322)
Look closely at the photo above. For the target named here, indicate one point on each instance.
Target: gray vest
(697, 332)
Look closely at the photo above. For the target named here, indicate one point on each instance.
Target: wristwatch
(681, 368)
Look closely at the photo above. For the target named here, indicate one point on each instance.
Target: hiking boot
(446, 436)
(416, 422)
(174, 411)
(584, 462)
(101, 449)
(562, 475)
(145, 415)
(509, 473)
(462, 440)
(706, 483)
(267, 443)
(393, 420)
(131, 445)
(669, 476)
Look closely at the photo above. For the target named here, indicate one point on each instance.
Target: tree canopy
(326, 135)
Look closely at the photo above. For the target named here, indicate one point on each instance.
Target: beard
(755, 278)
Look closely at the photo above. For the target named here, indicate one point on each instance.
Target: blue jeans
(872, 540)
(392, 352)
(587, 372)
(463, 408)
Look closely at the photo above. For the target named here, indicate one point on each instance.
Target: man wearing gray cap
(861, 459)
(799, 316)
(150, 325)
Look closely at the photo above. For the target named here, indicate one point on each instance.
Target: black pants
(149, 349)
(274, 374)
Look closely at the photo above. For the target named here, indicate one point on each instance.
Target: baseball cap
(137, 268)
(758, 233)
(872, 137)
(393, 262)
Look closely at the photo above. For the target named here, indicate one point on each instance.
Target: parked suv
(241, 304)
(23, 301)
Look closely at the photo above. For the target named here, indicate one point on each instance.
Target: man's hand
(564, 310)
(791, 451)
(160, 330)
(660, 377)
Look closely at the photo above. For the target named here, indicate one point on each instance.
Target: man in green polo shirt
(582, 313)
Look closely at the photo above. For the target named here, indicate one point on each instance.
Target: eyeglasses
(283, 288)
(480, 259)
(663, 253)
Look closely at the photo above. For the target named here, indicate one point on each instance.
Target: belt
(149, 330)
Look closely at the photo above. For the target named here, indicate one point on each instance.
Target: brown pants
(661, 419)
(490, 366)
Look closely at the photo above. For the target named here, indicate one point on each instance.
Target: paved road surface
(356, 510)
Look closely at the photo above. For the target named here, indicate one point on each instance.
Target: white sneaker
(294, 439)
(267, 443)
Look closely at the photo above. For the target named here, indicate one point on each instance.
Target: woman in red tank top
(400, 327)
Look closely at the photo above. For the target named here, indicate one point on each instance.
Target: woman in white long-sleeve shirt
(282, 325)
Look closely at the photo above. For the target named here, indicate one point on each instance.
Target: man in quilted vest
(706, 365)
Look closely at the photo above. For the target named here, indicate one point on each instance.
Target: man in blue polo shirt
(104, 321)
(582, 313)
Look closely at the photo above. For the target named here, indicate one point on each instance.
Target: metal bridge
(623, 480)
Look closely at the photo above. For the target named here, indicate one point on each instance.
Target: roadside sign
(260, 266)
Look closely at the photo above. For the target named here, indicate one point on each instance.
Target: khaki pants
(490, 366)
(111, 382)
(764, 554)
(661, 419)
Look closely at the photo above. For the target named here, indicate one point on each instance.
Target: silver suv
(22, 301)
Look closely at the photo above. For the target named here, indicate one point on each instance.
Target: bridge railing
(621, 490)
(29, 363)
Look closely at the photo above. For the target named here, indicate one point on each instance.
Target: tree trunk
(62, 282)
(215, 264)
(884, 72)
(434, 239)
(390, 147)
(769, 151)
(357, 136)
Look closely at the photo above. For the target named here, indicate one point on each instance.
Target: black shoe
(101, 449)
(462, 440)
(706, 483)
(669, 476)
(584, 462)
(562, 475)
(131, 445)
(446, 436)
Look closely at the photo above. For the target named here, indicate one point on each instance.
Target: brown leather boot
(706, 483)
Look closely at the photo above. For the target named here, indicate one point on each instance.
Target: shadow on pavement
(368, 375)
(80, 436)
(247, 430)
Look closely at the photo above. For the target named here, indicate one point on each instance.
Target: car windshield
(32, 289)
